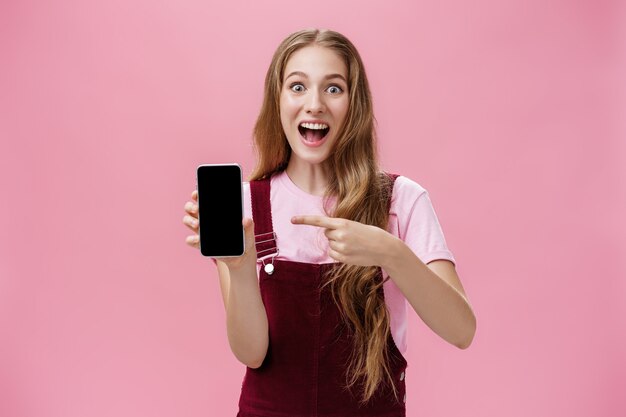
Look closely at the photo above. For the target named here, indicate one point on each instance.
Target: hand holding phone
(191, 220)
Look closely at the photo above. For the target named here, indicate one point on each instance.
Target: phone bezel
(242, 210)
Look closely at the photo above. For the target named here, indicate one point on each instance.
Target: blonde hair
(361, 192)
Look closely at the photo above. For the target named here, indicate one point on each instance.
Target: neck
(310, 178)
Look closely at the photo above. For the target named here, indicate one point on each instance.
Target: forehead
(316, 61)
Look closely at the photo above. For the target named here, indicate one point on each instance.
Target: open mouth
(313, 132)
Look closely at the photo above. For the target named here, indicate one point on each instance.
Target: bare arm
(435, 293)
(246, 319)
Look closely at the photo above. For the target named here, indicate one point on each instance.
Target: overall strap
(264, 236)
(392, 177)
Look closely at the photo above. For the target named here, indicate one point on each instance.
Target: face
(313, 102)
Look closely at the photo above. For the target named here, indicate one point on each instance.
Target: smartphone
(220, 210)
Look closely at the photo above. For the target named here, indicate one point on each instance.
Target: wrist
(246, 268)
(392, 251)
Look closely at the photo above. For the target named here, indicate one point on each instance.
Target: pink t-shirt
(412, 219)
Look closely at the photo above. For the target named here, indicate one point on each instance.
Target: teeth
(315, 126)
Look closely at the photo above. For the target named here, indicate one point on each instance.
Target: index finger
(194, 195)
(319, 221)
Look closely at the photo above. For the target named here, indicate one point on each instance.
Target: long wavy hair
(361, 194)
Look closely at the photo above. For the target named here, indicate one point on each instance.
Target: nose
(315, 103)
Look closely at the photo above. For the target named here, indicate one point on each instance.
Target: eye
(297, 87)
(334, 89)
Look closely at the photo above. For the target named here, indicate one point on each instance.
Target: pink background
(510, 113)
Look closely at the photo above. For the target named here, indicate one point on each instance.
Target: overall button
(402, 376)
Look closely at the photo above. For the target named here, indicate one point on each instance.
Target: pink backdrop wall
(510, 113)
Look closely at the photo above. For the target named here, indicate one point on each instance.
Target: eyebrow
(328, 77)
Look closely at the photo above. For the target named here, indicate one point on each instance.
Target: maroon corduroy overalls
(303, 374)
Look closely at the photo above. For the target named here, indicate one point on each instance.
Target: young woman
(316, 306)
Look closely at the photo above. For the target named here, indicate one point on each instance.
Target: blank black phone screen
(220, 210)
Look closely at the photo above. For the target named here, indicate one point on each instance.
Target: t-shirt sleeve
(417, 222)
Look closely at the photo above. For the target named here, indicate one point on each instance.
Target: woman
(316, 305)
